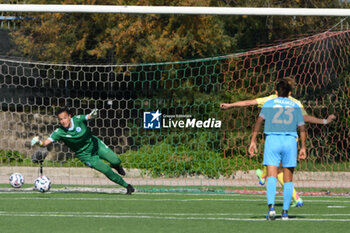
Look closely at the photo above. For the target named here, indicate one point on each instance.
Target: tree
(120, 38)
(125, 38)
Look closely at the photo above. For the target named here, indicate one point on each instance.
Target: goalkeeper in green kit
(88, 148)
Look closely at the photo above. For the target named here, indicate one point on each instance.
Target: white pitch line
(237, 194)
(19, 192)
(161, 214)
(123, 199)
(126, 216)
(157, 217)
(159, 200)
(263, 196)
(31, 191)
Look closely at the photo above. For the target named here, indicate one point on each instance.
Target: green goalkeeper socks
(116, 178)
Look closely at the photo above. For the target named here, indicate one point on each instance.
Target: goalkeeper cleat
(284, 215)
(297, 203)
(258, 174)
(271, 214)
(129, 189)
(119, 169)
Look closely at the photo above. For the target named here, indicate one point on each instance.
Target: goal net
(164, 119)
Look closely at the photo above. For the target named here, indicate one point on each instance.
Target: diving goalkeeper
(89, 149)
(261, 174)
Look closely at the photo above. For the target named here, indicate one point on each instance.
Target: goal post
(182, 91)
(164, 119)
(182, 10)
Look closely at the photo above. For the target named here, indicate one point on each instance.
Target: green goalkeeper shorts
(97, 151)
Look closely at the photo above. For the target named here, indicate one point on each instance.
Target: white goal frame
(182, 10)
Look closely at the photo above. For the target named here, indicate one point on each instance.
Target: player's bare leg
(296, 200)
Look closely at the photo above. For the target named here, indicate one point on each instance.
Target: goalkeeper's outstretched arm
(92, 115)
(42, 143)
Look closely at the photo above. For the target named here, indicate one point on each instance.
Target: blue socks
(271, 190)
(287, 195)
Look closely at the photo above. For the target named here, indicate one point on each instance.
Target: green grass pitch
(63, 212)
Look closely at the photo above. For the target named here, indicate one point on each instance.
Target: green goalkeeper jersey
(78, 138)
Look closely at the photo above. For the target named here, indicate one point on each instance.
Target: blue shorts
(280, 148)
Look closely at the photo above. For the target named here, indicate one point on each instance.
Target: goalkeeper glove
(36, 140)
(93, 113)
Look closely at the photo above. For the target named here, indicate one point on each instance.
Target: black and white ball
(16, 180)
(42, 184)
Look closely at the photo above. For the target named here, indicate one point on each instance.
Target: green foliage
(329, 144)
(196, 157)
(123, 38)
(11, 157)
(196, 87)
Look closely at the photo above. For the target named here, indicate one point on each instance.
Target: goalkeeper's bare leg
(296, 199)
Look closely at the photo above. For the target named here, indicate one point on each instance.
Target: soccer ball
(16, 180)
(42, 184)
